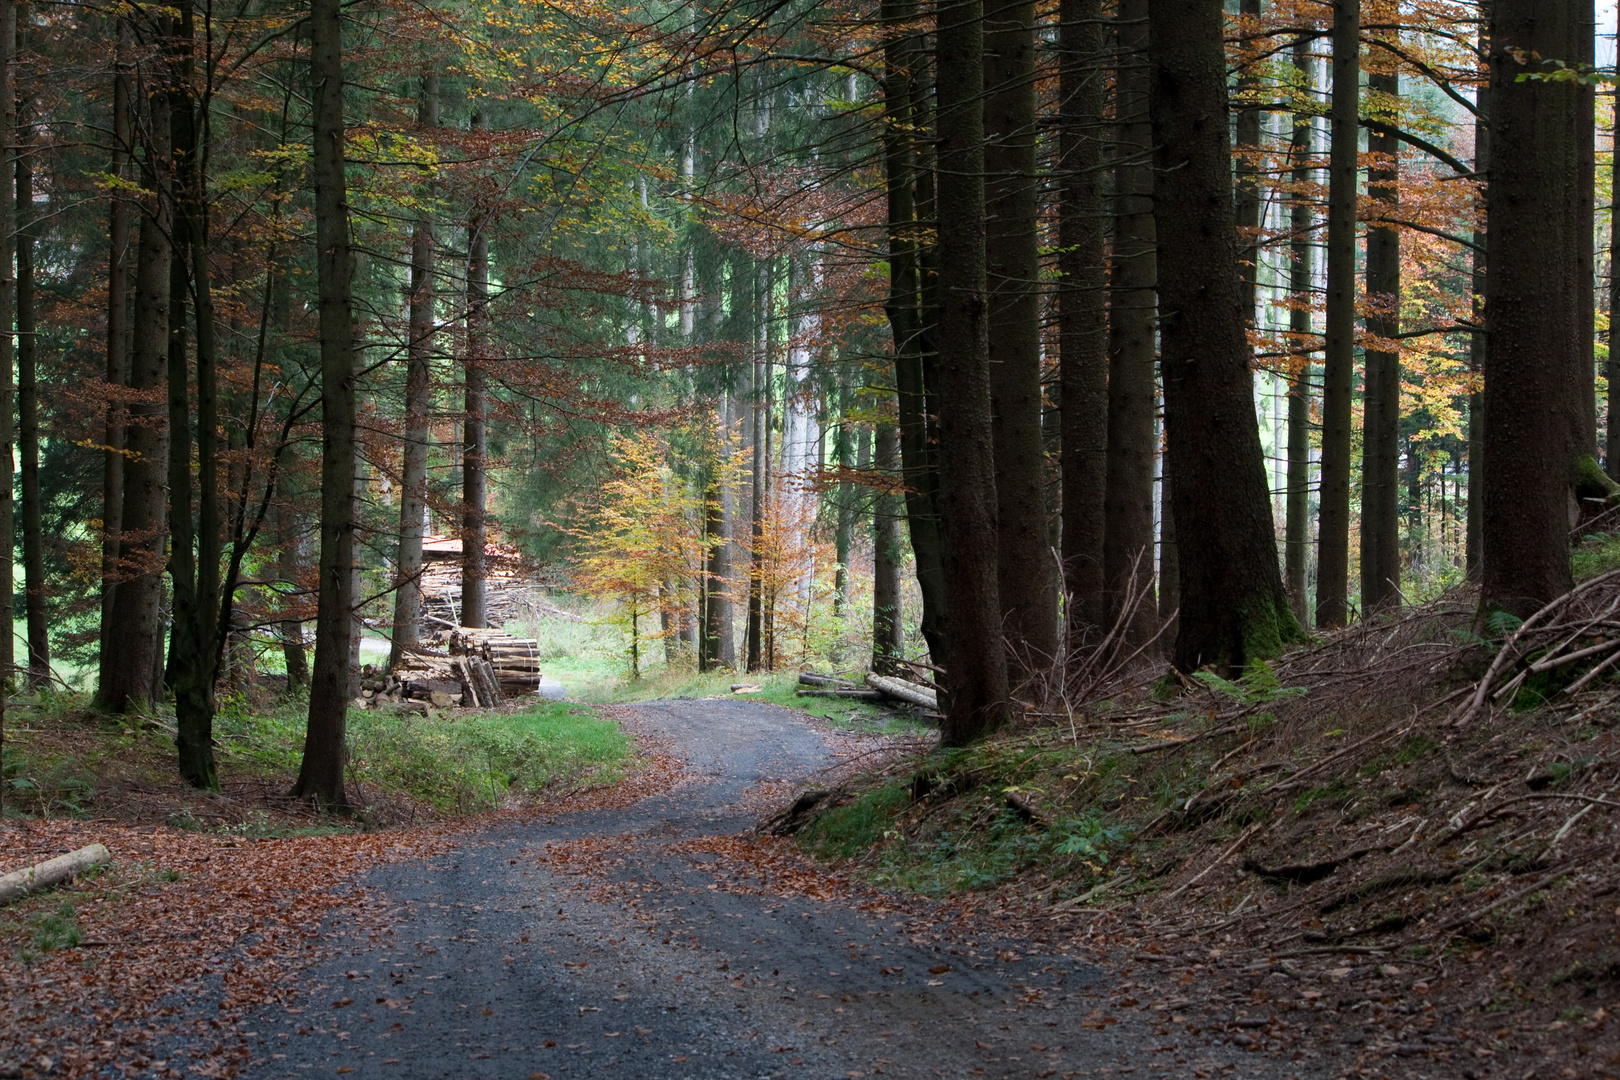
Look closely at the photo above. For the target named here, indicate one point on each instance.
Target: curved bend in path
(608, 944)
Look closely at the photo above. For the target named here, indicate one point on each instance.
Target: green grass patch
(849, 830)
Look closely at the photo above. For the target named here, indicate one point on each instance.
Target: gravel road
(613, 942)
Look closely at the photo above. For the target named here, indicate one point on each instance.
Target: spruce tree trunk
(1082, 318)
(320, 777)
(119, 237)
(1532, 310)
(475, 443)
(418, 402)
(1381, 416)
(843, 458)
(1476, 341)
(1012, 271)
(1301, 256)
(888, 629)
(131, 664)
(760, 465)
(33, 539)
(906, 305)
(1247, 166)
(1233, 608)
(1169, 557)
(1132, 331)
(1583, 36)
(976, 676)
(199, 629)
(8, 303)
(1339, 361)
(722, 641)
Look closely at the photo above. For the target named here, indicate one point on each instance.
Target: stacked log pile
(457, 668)
(506, 588)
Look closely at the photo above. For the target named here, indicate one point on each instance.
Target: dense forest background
(955, 339)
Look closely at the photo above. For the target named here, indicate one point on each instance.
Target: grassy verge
(66, 759)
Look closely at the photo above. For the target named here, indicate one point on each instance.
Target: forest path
(628, 942)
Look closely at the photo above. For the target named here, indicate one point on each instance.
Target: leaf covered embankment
(1345, 831)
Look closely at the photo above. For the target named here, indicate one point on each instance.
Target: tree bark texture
(1082, 315)
(1381, 414)
(1233, 608)
(977, 672)
(888, 629)
(131, 665)
(1301, 255)
(1338, 358)
(904, 90)
(1132, 433)
(320, 777)
(8, 304)
(1012, 273)
(119, 247)
(722, 514)
(33, 539)
(475, 438)
(418, 402)
(1475, 547)
(1532, 312)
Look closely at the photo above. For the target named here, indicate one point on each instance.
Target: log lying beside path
(901, 690)
(810, 678)
(51, 872)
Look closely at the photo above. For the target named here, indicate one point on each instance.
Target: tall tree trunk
(905, 305)
(1082, 325)
(845, 494)
(1583, 43)
(888, 630)
(1381, 414)
(1532, 312)
(1132, 330)
(119, 236)
(1169, 556)
(1611, 450)
(33, 539)
(475, 442)
(1012, 272)
(1476, 340)
(199, 629)
(1339, 360)
(320, 777)
(1233, 608)
(1301, 256)
(976, 675)
(289, 560)
(722, 641)
(1247, 194)
(418, 401)
(131, 665)
(760, 471)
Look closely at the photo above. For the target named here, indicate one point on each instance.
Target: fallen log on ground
(810, 678)
(51, 872)
(901, 690)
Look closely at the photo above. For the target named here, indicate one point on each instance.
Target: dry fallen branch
(51, 872)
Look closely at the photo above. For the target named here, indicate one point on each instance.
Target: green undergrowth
(1063, 816)
(63, 758)
(457, 762)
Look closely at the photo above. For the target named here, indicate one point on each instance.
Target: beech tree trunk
(1233, 608)
(418, 401)
(1012, 270)
(33, 539)
(1532, 311)
(132, 658)
(1381, 416)
(1082, 318)
(1132, 332)
(722, 640)
(119, 236)
(320, 777)
(1301, 256)
(475, 444)
(976, 674)
(1339, 361)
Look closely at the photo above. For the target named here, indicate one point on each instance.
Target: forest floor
(1337, 866)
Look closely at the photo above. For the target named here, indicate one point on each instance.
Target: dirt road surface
(626, 942)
